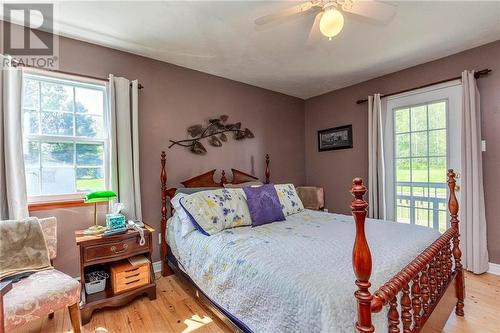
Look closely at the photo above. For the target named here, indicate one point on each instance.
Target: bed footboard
(414, 292)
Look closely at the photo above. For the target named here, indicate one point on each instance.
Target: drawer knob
(124, 248)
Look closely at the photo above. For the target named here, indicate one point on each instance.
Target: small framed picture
(335, 138)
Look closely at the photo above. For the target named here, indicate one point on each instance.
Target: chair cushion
(38, 295)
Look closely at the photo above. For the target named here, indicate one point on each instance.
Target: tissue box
(115, 221)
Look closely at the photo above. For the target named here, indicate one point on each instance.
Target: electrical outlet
(483, 145)
(159, 238)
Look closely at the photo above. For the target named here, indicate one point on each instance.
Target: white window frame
(449, 91)
(74, 81)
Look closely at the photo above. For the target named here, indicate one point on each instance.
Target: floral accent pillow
(214, 211)
(290, 201)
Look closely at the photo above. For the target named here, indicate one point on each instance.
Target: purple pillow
(263, 204)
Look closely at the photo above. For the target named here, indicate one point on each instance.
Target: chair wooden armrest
(5, 287)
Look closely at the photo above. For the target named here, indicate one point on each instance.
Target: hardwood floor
(175, 310)
(482, 306)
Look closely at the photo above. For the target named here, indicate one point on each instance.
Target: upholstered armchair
(44, 292)
(312, 197)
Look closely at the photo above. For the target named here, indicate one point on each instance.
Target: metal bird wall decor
(215, 131)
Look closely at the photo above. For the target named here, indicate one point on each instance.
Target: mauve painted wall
(176, 97)
(335, 169)
(173, 99)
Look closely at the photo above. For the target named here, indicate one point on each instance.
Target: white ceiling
(220, 38)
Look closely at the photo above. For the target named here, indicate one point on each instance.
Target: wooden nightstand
(103, 251)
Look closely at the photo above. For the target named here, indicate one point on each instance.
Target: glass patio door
(422, 137)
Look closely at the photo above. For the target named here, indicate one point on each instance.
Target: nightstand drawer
(130, 282)
(125, 276)
(132, 271)
(123, 248)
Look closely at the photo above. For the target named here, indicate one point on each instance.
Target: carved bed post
(361, 259)
(268, 171)
(457, 253)
(165, 270)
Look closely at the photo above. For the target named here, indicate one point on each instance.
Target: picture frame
(335, 138)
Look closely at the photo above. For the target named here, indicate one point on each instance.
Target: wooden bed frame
(420, 297)
(204, 180)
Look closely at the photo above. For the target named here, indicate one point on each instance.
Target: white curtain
(473, 218)
(13, 197)
(124, 134)
(376, 169)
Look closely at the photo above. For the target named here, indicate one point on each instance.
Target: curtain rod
(477, 75)
(16, 64)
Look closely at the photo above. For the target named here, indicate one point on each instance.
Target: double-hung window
(65, 140)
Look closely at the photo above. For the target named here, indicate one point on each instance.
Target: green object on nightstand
(100, 196)
(95, 197)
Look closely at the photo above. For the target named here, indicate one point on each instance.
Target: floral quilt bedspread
(295, 275)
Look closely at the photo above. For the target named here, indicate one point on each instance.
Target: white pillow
(290, 201)
(241, 185)
(186, 224)
(216, 210)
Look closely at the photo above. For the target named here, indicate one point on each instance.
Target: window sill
(36, 206)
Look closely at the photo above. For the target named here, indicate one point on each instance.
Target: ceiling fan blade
(285, 13)
(372, 9)
(314, 33)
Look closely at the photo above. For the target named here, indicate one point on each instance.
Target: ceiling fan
(329, 16)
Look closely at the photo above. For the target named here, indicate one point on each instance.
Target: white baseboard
(157, 266)
(494, 269)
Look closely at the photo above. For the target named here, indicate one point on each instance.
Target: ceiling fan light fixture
(331, 22)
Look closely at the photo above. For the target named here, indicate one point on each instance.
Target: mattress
(295, 275)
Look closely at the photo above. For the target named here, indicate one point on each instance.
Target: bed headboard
(204, 180)
(207, 179)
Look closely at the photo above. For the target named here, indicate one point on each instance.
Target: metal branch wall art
(215, 131)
